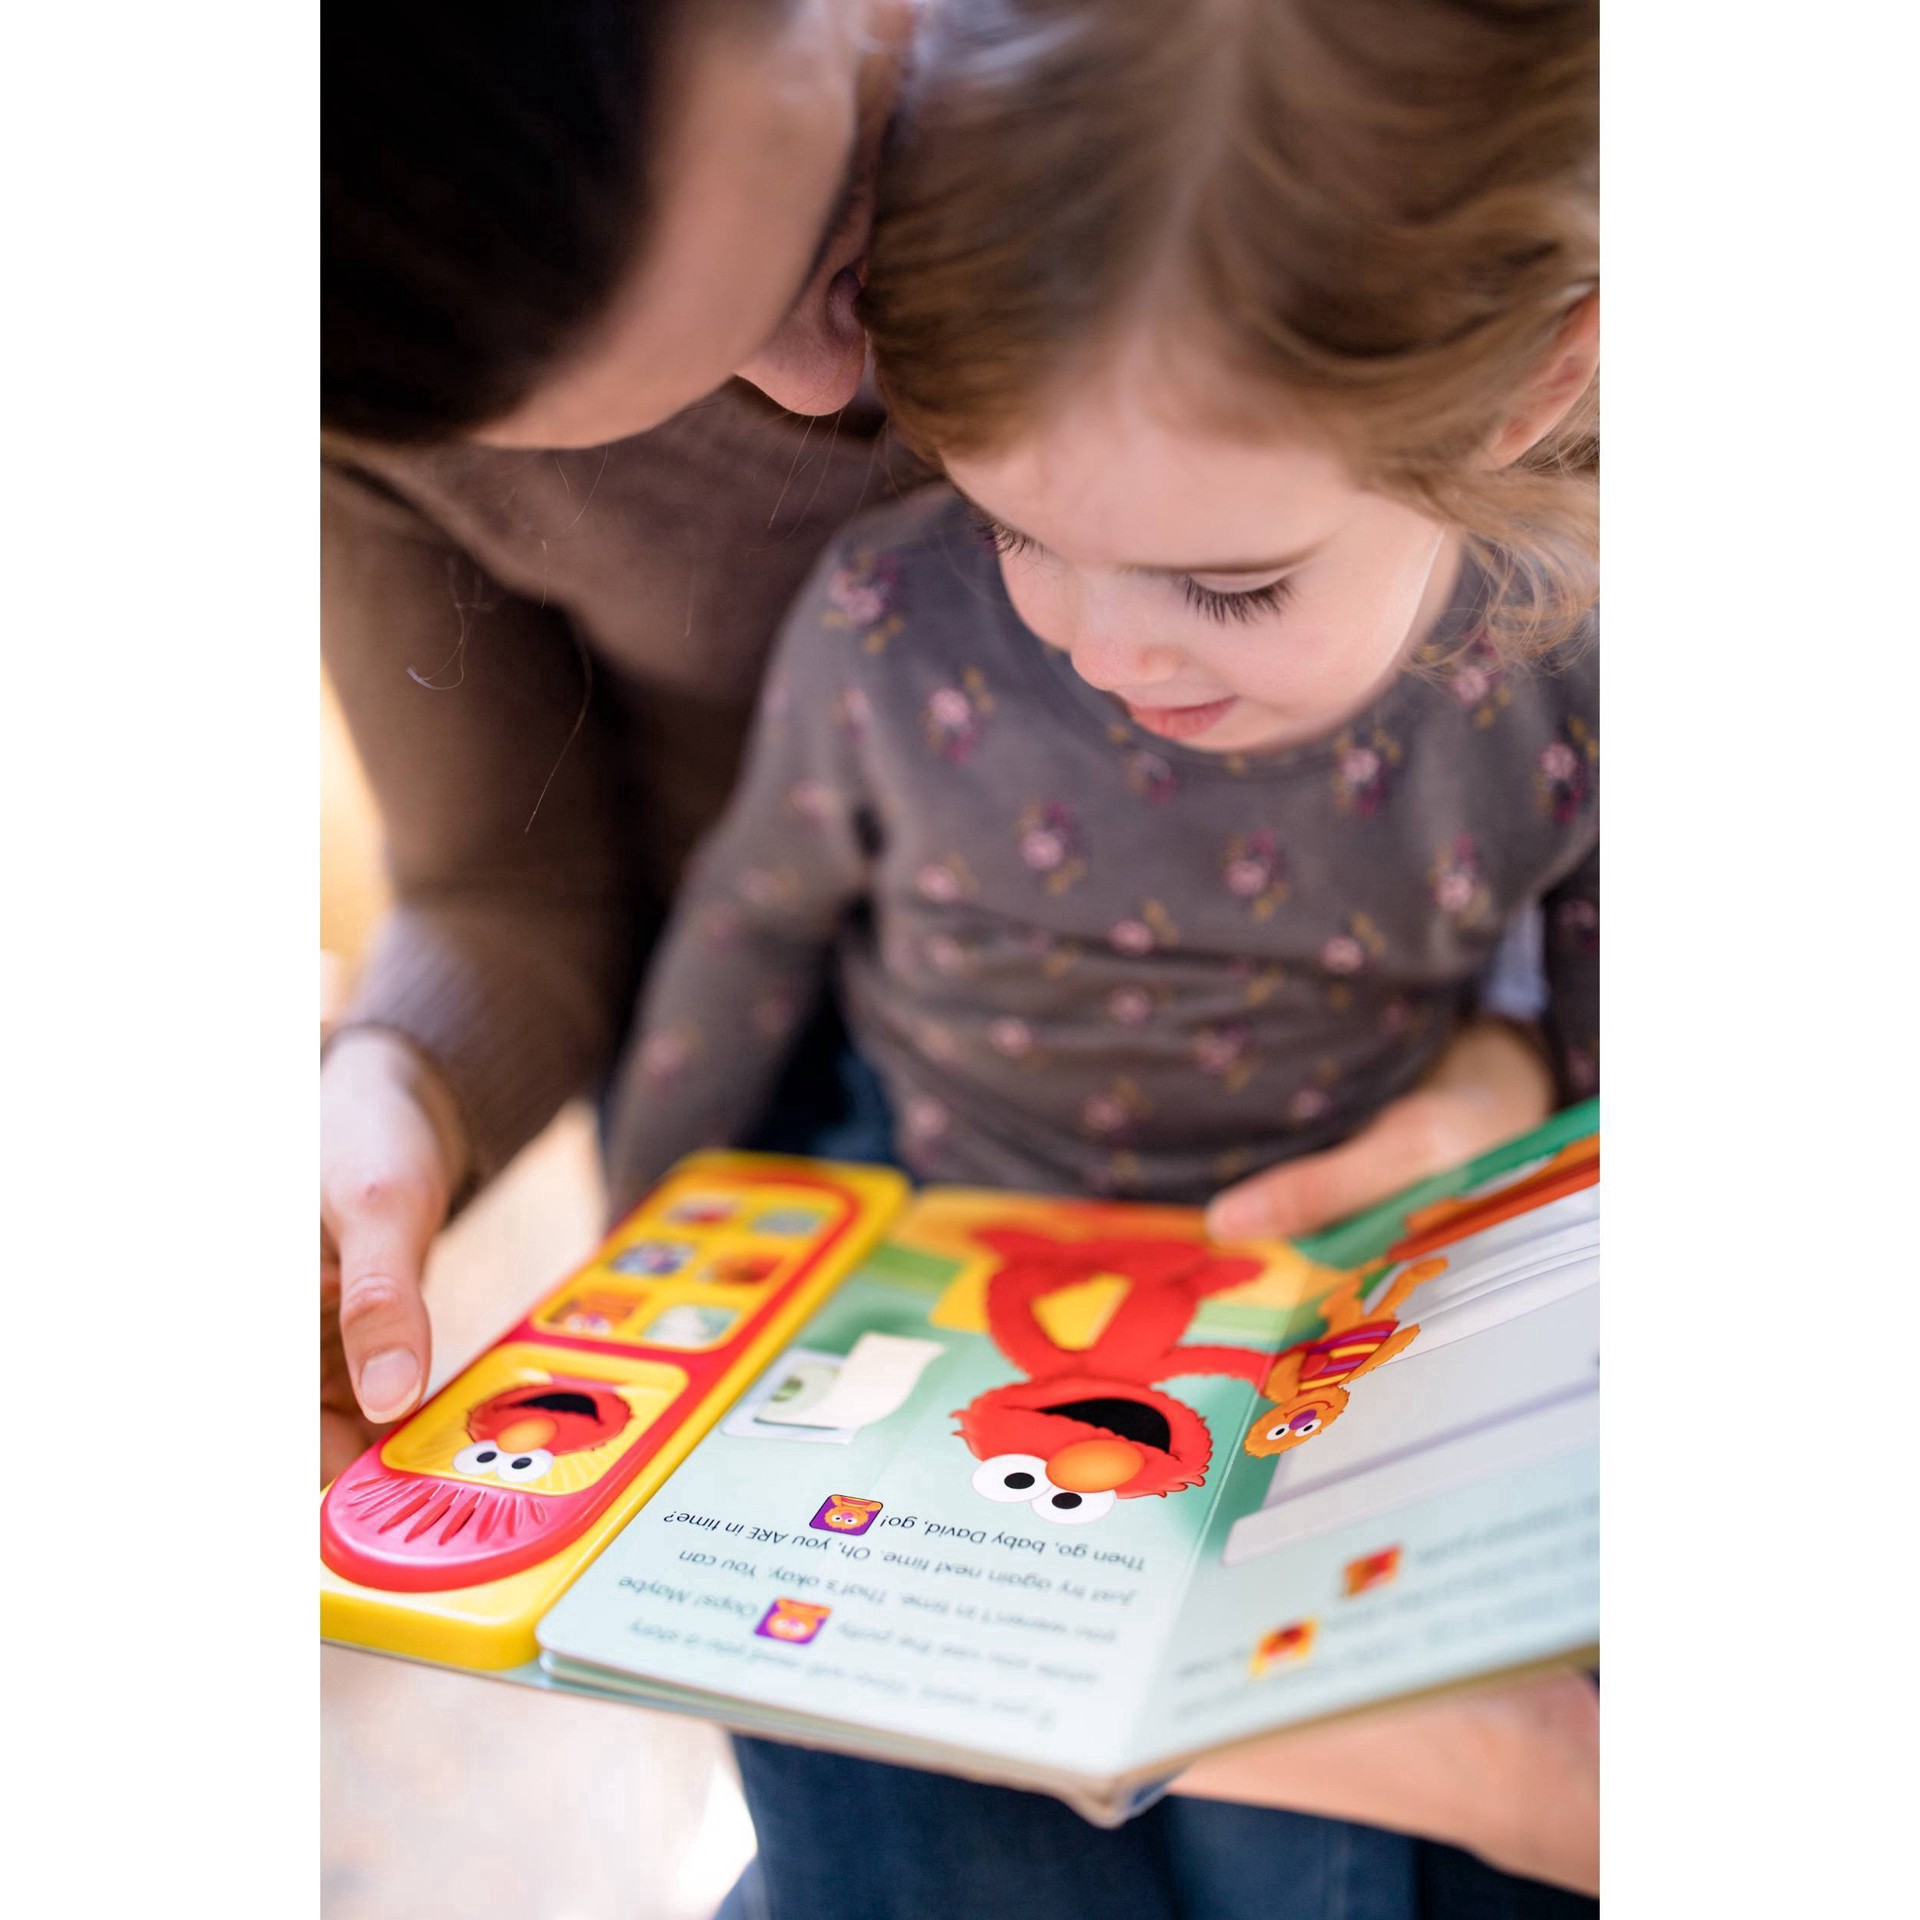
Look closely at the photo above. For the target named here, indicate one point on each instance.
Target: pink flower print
(1111, 1111)
(858, 597)
(1139, 934)
(1130, 1006)
(1477, 679)
(1458, 890)
(861, 598)
(1245, 876)
(664, 1056)
(1563, 774)
(1150, 776)
(1343, 954)
(945, 954)
(1011, 1038)
(853, 711)
(923, 1124)
(1471, 684)
(812, 801)
(956, 716)
(1044, 843)
(945, 880)
(1315, 1100)
(1043, 848)
(1225, 1053)
(1362, 770)
(1255, 870)
(1049, 842)
(938, 1044)
(1351, 951)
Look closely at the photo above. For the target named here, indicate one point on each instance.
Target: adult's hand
(392, 1153)
(1512, 1774)
(1491, 1083)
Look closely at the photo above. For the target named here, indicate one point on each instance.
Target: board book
(1056, 1493)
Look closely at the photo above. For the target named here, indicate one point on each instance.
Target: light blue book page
(838, 1548)
(1016, 1488)
(1444, 1525)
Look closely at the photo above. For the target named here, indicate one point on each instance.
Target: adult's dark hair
(483, 184)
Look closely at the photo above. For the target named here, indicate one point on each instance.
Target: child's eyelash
(1249, 605)
(1002, 539)
(1224, 607)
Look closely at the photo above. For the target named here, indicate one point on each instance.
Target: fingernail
(387, 1383)
(1237, 1216)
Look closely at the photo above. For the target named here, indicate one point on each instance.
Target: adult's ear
(1560, 380)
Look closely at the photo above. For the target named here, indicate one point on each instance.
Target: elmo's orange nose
(1095, 1466)
(534, 1430)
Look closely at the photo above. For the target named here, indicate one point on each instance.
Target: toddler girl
(1162, 787)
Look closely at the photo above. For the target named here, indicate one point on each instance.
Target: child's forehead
(1109, 476)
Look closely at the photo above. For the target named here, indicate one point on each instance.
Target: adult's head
(558, 225)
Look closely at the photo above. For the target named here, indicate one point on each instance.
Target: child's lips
(1179, 723)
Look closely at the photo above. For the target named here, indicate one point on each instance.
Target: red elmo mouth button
(1095, 1466)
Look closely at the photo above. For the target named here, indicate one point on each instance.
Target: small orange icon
(1284, 1647)
(1369, 1571)
(845, 1513)
(794, 1621)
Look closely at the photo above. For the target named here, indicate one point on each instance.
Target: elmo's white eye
(482, 1459)
(531, 1463)
(1012, 1476)
(1072, 1509)
(1279, 1431)
(1311, 1424)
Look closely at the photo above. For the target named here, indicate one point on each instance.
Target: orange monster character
(516, 1434)
(1090, 1426)
(493, 1509)
(1309, 1382)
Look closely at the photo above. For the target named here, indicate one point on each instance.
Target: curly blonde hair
(1376, 214)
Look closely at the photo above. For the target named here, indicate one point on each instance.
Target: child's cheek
(1043, 604)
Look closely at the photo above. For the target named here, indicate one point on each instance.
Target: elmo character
(1090, 1425)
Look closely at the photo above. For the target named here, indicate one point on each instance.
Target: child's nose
(1107, 659)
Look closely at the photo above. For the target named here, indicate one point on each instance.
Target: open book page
(966, 1503)
(1064, 1484)
(1439, 1517)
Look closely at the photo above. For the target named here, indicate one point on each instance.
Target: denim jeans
(844, 1839)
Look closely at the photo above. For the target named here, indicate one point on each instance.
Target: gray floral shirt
(1084, 959)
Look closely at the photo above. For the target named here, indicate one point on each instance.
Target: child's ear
(1564, 376)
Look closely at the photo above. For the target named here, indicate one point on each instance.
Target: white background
(159, 768)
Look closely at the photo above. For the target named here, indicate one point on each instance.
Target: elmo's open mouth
(1131, 1419)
